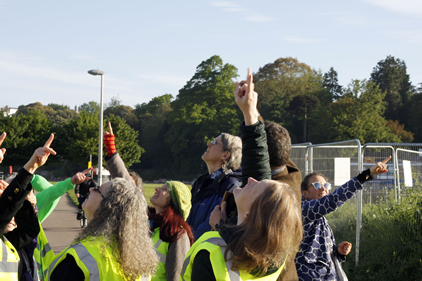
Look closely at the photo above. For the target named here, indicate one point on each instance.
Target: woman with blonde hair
(269, 223)
(116, 244)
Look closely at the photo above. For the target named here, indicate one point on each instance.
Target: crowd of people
(250, 217)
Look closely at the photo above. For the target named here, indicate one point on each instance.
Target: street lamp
(100, 145)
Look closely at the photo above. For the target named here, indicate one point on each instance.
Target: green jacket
(48, 195)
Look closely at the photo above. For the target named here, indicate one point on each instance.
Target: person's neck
(212, 167)
(158, 210)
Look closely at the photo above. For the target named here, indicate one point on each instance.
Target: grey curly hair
(123, 222)
(232, 144)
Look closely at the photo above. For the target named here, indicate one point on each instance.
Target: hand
(80, 177)
(380, 167)
(219, 213)
(32, 198)
(40, 156)
(77, 195)
(344, 248)
(2, 150)
(110, 130)
(247, 99)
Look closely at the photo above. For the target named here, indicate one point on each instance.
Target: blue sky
(150, 48)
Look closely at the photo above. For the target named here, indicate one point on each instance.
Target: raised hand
(40, 156)
(2, 150)
(380, 167)
(247, 99)
(80, 177)
(109, 141)
(219, 213)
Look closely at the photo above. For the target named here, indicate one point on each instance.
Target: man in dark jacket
(283, 169)
(82, 192)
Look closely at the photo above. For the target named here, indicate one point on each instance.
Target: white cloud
(412, 7)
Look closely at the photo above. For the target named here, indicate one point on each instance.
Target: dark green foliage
(203, 109)
(391, 244)
(25, 133)
(392, 78)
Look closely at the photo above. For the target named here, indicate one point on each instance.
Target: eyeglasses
(214, 142)
(97, 189)
(319, 185)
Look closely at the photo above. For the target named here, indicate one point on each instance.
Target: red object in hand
(10, 170)
(110, 144)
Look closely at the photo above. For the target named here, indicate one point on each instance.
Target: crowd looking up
(250, 217)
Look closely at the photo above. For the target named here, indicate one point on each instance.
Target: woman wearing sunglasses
(116, 244)
(319, 252)
(222, 157)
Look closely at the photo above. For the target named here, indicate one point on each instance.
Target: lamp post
(100, 145)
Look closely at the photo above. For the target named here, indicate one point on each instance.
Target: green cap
(180, 197)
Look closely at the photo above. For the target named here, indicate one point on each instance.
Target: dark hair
(279, 144)
(172, 225)
(305, 183)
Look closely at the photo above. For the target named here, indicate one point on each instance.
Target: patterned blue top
(313, 261)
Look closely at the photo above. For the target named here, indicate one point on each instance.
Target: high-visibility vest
(43, 254)
(95, 258)
(9, 263)
(213, 243)
(161, 248)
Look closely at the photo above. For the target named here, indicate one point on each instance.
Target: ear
(226, 155)
(245, 215)
(304, 193)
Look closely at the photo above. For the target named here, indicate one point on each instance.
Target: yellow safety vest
(161, 248)
(43, 254)
(213, 243)
(9, 261)
(95, 258)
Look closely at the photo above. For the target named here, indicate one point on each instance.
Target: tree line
(167, 135)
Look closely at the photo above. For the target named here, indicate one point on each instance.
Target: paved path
(61, 227)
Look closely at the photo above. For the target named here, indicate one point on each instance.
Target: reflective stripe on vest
(43, 254)
(90, 268)
(161, 249)
(9, 262)
(216, 246)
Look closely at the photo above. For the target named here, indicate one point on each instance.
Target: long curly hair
(123, 222)
(271, 231)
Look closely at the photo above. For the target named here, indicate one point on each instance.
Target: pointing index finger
(387, 159)
(86, 171)
(49, 141)
(110, 129)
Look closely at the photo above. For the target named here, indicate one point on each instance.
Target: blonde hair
(271, 231)
(123, 222)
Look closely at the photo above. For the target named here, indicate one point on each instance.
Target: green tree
(391, 76)
(78, 138)
(301, 106)
(55, 112)
(90, 107)
(126, 141)
(331, 83)
(278, 82)
(25, 133)
(359, 114)
(202, 110)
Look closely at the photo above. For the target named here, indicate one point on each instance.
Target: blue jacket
(313, 261)
(207, 192)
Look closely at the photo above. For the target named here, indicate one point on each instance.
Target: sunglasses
(97, 189)
(319, 185)
(214, 142)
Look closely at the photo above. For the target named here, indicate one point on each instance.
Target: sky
(151, 48)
